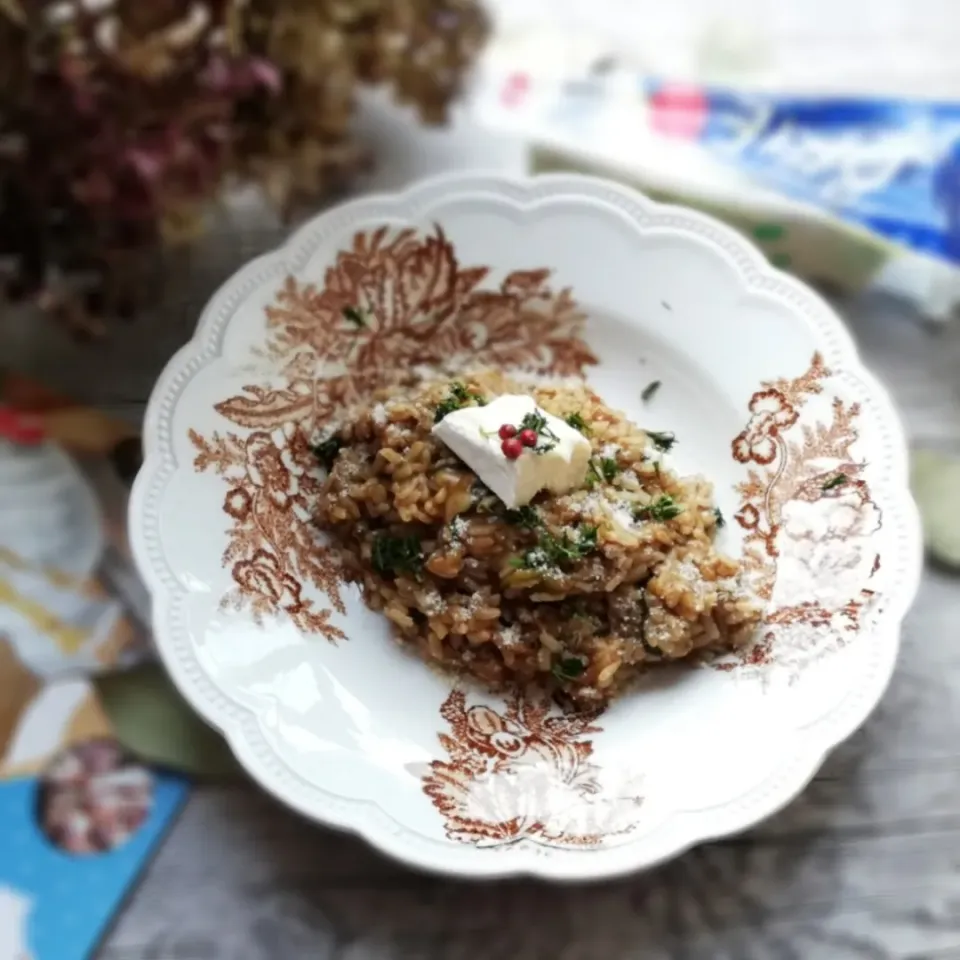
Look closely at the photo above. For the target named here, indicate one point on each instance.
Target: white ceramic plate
(764, 390)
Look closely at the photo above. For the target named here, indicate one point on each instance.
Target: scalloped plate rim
(368, 819)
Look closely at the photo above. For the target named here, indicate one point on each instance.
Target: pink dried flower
(120, 121)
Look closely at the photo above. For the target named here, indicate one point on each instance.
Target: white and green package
(586, 110)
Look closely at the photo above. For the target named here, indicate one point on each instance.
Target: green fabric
(152, 721)
(935, 479)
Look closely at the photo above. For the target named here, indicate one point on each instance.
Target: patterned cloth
(79, 813)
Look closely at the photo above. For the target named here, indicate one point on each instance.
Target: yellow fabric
(68, 639)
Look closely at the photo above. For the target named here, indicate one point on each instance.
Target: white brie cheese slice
(472, 433)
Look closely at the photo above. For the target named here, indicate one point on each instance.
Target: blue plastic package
(890, 166)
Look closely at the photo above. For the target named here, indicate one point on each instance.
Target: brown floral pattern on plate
(808, 516)
(524, 774)
(809, 519)
(395, 300)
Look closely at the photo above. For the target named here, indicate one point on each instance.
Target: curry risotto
(580, 591)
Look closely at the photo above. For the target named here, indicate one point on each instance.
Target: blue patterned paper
(71, 898)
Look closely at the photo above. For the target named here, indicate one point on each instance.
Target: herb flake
(355, 316)
(393, 555)
(719, 518)
(662, 441)
(558, 551)
(576, 421)
(568, 668)
(460, 396)
(650, 390)
(525, 517)
(603, 469)
(326, 451)
(662, 509)
(838, 481)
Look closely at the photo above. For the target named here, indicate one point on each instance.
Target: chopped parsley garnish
(568, 668)
(553, 551)
(719, 518)
(662, 509)
(526, 517)
(392, 555)
(838, 481)
(459, 397)
(326, 451)
(537, 422)
(587, 541)
(578, 423)
(603, 469)
(662, 441)
(650, 390)
(355, 316)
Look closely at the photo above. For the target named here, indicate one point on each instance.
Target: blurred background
(148, 148)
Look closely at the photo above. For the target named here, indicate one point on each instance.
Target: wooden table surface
(866, 864)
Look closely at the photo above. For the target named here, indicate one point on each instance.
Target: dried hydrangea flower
(121, 120)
